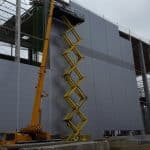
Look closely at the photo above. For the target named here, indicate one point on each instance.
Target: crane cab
(13, 138)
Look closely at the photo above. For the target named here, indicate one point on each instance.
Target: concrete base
(93, 145)
(113, 143)
(130, 143)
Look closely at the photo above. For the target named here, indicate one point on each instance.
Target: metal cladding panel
(57, 61)
(28, 78)
(8, 95)
(58, 106)
(84, 28)
(92, 31)
(103, 101)
(113, 45)
(8, 92)
(89, 108)
(126, 51)
(126, 105)
(110, 83)
(98, 33)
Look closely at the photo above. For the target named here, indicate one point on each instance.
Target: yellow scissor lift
(73, 58)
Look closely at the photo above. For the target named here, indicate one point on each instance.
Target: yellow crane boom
(35, 124)
(37, 101)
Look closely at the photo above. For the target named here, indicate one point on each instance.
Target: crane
(34, 132)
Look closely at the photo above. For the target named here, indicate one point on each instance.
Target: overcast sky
(133, 14)
(129, 14)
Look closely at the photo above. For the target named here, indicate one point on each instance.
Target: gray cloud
(133, 14)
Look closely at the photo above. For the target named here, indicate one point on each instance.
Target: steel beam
(18, 30)
(17, 54)
(146, 108)
(144, 73)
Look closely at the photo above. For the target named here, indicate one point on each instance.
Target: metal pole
(146, 110)
(18, 29)
(17, 55)
(11, 50)
(130, 38)
(146, 89)
(144, 73)
(149, 52)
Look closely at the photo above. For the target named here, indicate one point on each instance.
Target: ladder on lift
(74, 77)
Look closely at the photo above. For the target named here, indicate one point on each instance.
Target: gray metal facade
(113, 102)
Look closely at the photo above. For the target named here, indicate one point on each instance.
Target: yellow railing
(75, 97)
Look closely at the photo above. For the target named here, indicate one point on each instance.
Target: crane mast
(35, 124)
(39, 89)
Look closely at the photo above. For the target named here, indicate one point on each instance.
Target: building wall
(110, 83)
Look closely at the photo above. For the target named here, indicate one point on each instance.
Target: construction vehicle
(34, 132)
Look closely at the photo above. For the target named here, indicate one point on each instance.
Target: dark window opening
(7, 52)
(10, 137)
(1, 136)
(124, 35)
